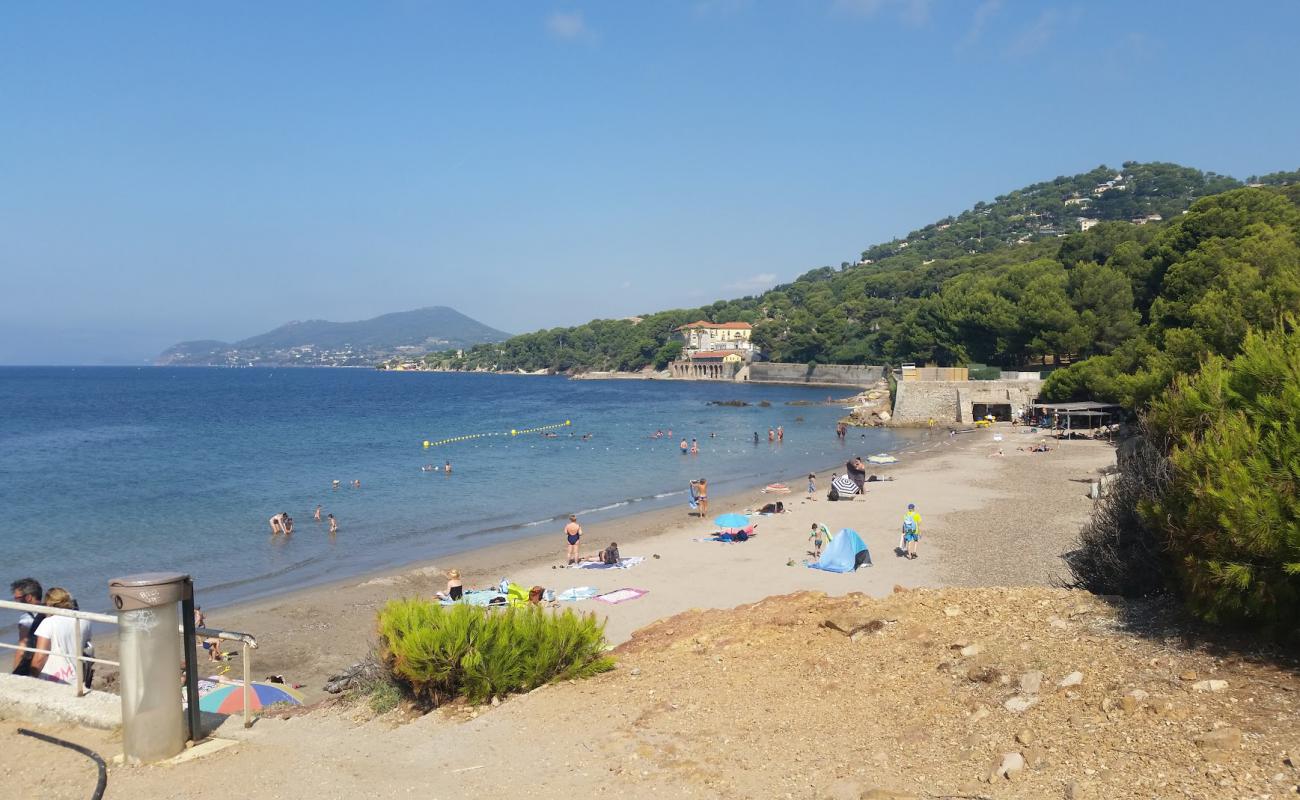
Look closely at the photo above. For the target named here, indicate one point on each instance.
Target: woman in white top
(59, 635)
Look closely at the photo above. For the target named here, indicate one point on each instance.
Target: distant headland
(319, 343)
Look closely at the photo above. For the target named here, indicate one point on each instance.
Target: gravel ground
(1043, 502)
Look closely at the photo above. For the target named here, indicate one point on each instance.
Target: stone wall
(715, 371)
(824, 374)
(951, 402)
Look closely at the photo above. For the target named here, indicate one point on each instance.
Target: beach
(964, 673)
(986, 521)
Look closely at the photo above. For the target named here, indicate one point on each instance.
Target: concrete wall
(827, 374)
(950, 402)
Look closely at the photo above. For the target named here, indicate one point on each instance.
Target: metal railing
(78, 617)
(246, 641)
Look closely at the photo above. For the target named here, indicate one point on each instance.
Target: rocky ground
(928, 693)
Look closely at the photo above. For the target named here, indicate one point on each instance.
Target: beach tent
(845, 486)
(845, 553)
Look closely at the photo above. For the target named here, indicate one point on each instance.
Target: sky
(174, 171)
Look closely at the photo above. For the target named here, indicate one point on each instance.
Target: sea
(112, 471)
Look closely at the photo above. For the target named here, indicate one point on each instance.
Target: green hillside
(1009, 282)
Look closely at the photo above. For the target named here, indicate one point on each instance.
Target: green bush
(441, 652)
(1230, 512)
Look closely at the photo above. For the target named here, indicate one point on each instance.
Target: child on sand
(911, 531)
(812, 485)
(818, 535)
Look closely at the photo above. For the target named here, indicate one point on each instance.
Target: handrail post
(248, 670)
(76, 664)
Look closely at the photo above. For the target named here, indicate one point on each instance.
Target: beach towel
(728, 537)
(621, 595)
(577, 593)
(694, 501)
(623, 563)
(474, 597)
(776, 488)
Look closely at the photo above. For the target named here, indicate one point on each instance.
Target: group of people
(282, 523)
(50, 639)
(446, 468)
(907, 542)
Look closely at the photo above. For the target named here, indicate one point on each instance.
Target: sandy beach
(986, 521)
(736, 675)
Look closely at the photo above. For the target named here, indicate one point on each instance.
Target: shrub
(1119, 551)
(1230, 513)
(438, 653)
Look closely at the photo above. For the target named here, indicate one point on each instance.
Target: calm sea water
(112, 471)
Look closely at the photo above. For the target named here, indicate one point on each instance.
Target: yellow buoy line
(511, 432)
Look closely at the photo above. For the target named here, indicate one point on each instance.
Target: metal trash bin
(153, 723)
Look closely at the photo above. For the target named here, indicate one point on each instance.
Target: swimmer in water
(447, 468)
(334, 524)
(335, 484)
(317, 515)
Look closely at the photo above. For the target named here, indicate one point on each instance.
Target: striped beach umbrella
(845, 485)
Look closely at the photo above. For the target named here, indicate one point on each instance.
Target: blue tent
(845, 553)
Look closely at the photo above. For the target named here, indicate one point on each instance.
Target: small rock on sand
(1220, 739)
(1018, 704)
(1073, 679)
(1031, 682)
(1210, 686)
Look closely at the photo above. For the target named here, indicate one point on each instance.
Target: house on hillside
(704, 336)
(713, 350)
(1086, 223)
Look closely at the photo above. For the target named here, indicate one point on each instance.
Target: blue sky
(180, 171)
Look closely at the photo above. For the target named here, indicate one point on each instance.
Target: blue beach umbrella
(732, 521)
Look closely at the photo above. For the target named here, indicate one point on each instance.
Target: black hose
(102, 783)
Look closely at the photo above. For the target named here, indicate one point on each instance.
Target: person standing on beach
(573, 535)
(702, 486)
(812, 485)
(911, 531)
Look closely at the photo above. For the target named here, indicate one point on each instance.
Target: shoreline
(269, 616)
(311, 633)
